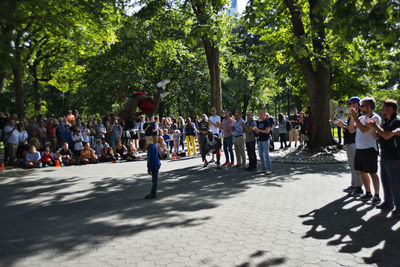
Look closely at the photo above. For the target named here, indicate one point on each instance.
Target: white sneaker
(268, 172)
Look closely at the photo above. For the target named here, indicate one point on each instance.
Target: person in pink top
(227, 128)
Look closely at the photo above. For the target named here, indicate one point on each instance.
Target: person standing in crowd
(42, 132)
(282, 130)
(153, 165)
(349, 137)
(116, 132)
(238, 140)
(227, 130)
(3, 122)
(390, 155)
(177, 136)
(294, 131)
(181, 126)
(154, 129)
(100, 130)
(271, 129)
(51, 133)
(77, 139)
(142, 135)
(366, 157)
(70, 118)
(66, 135)
(12, 141)
(262, 130)
(190, 134)
(341, 113)
(203, 127)
(23, 140)
(302, 126)
(215, 125)
(247, 128)
(33, 128)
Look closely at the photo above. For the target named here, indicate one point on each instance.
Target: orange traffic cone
(57, 163)
(113, 161)
(174, 156)
(2, 167)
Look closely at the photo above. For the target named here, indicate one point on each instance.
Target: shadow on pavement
(264, 263)
(352, 233)
(61, 216)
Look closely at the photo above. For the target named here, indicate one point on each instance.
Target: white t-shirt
(366, 140)
(23, 137)
(214, 120)
(77, 145)
(14, 137)
(341, 113)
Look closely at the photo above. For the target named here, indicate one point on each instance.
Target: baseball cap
(355, 99)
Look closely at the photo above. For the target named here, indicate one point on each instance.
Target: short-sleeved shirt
(67, 152)
(23, 137)
(78, 145)
(262, 125)
(341, 113)
(238, 127)
(203, 126)
(390, 148)
(227, 124)
(14, 137)
(295, 118)
(366, 140)
(167, 138)
(32, 156)
(250, 136)
(51, 130)
(215, 120)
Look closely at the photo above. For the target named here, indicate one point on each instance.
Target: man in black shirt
(294, 131)
(262, 130)
(390, 155)
(203, 126)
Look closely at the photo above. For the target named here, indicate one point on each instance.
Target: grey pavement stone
(95, 215)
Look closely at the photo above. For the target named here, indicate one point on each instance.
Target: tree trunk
(35, 87)
(212, 54)
(19, 91)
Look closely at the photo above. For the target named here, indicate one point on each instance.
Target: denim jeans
(263, 152)
(154, 180)
(228, 145)
(390, 169)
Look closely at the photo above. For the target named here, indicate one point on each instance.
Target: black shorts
(366, 160)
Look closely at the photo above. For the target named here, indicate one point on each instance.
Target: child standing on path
(153, 165)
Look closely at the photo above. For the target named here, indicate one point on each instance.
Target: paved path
(95, 215)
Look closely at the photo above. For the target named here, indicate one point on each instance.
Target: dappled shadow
(62, 216)
(342, 224)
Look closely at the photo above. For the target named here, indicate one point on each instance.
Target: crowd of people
(38, 143)
(69, 140)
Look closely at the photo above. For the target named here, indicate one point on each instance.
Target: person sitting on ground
(88, 154)
(107, 153)
(65, 155)
(162, 148)
(47, 157)
(32, 158)
(213, 144)
(98, 146)
(132, 154)
(119, 150)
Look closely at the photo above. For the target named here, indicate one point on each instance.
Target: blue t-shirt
(32, 156)
(66, 135)
(167, 138)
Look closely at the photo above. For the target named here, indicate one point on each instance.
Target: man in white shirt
(12, 139)
(215, 124)
(366, 157)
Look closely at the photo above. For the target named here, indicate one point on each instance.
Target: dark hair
(281, 117)
(390, 103)
(340, 102)
(142, 144)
